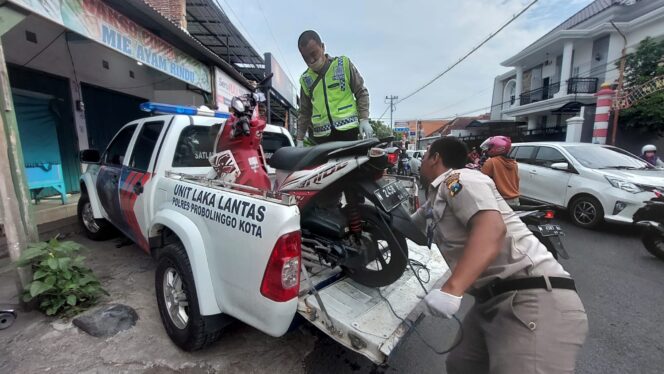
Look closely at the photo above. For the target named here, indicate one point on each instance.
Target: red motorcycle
(368, 241)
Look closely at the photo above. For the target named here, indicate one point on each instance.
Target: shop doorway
(46, 99)
(106, 112)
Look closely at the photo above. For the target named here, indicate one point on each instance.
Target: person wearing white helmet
(649, 153)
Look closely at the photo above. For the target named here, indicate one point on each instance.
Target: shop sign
(99, 22)
(280, 81)
(226, 88)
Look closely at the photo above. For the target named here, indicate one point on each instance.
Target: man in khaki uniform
(527, 316)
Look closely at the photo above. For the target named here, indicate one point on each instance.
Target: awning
(494, 123)
(210, 25)
(573, 107)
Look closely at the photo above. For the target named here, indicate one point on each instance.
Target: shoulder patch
(453, 184)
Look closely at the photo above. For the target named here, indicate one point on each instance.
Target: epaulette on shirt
(452, 183)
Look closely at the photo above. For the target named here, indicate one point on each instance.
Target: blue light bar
(179, 109)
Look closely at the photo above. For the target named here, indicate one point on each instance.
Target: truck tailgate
(360, 318)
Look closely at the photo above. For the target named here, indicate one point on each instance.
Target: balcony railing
(540, 94)
(574, 86)
(581, 86)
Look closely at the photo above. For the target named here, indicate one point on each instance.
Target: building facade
(556, 77)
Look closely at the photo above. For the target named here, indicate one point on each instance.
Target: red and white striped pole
(601, 126)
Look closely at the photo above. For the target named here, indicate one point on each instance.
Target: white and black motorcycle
(366, 236)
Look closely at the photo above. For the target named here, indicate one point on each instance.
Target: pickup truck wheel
(178, 302)
(95, 229)
(586, 211)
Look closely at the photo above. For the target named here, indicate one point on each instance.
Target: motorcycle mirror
(237, 104)
(259, 97)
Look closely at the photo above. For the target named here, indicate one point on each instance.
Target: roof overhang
(210, 25)
(494, 123)
(549, 105)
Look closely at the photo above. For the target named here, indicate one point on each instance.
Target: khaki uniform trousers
(527, 331)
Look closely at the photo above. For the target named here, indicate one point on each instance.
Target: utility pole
(19, 225)
(391, 100)
(619, 90)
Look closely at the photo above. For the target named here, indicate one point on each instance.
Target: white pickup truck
(225, 252)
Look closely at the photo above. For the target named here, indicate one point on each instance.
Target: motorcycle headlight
(624, 185)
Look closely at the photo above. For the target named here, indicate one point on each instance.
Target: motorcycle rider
(503, 170)
(334, 103)
(527, 316)
(649, 153)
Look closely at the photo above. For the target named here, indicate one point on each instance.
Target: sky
(400, 45)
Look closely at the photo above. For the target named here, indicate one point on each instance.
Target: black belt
(501, 286)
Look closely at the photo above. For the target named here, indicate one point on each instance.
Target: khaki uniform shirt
(361, 99)
(454, 198)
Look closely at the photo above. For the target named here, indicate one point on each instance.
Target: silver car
(594, 182)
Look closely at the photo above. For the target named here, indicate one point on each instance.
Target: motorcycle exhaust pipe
(652, 225)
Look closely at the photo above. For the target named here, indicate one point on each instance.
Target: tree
(379, 129)
(641, 66)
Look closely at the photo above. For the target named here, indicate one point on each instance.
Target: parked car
(275, 137)
(594, 182)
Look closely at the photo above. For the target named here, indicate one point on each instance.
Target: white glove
(365, 128)
(300, 144)
(441, 304)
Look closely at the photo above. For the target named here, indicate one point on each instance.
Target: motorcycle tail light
(549, 214)
(392, 158)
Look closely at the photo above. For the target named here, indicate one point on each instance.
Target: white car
(595, 182)
(275, 137)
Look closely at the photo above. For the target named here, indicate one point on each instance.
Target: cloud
(400, 45)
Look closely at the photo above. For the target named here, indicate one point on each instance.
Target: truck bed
(360, 318)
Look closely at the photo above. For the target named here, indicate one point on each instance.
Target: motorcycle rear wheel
(654, 243)
(390, 253)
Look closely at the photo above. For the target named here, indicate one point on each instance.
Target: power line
(458, 102)
(275, 41)
(514, 17)
(45, 48)
(382, 115)
(507, 101)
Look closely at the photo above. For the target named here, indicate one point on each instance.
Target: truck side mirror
(89, 156)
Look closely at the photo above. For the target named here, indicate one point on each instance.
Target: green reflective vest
(332, 100)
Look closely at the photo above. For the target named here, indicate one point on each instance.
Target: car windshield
(605, 157)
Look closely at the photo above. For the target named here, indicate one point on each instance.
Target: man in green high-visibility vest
(334, 104)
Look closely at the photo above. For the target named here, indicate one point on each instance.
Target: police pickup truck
(226, 252)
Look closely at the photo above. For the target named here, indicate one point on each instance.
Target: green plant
(642, 66)
(61, 283)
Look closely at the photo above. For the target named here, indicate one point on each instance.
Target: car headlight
(624, 185)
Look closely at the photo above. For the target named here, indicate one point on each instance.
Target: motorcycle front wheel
(654, 243)
(387, 252)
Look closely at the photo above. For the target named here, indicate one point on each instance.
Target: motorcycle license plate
(391, 195)
(551, 230)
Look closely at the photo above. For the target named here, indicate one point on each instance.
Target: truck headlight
(624, 185)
